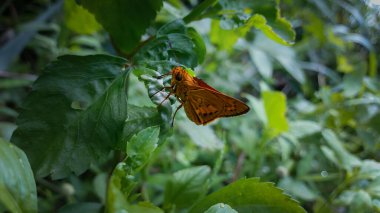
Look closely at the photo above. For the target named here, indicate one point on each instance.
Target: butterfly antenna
(163, 88)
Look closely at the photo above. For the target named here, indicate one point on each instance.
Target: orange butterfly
(202, 103)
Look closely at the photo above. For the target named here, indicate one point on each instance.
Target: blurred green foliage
(97, 141)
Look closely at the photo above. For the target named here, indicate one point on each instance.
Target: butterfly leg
(179, 107)
(159, 91)
(170, 93)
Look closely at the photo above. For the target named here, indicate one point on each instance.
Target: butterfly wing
(204, 105)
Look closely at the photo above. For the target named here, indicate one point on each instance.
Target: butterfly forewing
(209, 105)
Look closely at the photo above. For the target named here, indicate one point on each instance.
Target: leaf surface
(17, 186)
(250, 195)
(125, 20)
(74, 114)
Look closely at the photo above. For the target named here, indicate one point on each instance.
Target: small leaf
(285, 55)
(220, 208)
(79, 19)
(186, 186)
(275, 109)
(58, 138)
(263, 15)
(262, 62)
(298, 188)
(345, 159)
(17, 186)
(122, 181)
(352, 83)
(173, 43)
(140, 118)
(202, 136)
(225, 39)
(250, 195)
(361, 202)
(119, 188)
(302, 128)
(140, 147)
(370, 169)
(144, 207)
(125, 20)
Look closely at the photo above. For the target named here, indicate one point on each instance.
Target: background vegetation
(79, 133)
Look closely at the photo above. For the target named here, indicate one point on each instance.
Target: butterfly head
(179, 74)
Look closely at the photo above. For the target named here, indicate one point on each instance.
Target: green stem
(198, 10)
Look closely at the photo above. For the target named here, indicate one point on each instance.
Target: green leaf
(259, 22)
(141, 146)
(186, 186)
(298, 189)
(352, 83)
(125, 20)
(122, 181)
(262, 61)
(250, 195)
(361, 202)
(79, 19)
(370, 169)
(140, 118)
(120, 186)
(85, 207)
(285, 55)
(202, 136)
(173, 43)
(344, 158)
(220, 208)
(238, 17)
(275, 109)
(302, 128)
(225, 39)
(17, 186)
(144, 207)
(74, 114)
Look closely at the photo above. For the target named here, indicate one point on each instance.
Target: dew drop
(324, 174)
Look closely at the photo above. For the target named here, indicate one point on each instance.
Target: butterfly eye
(178, 77)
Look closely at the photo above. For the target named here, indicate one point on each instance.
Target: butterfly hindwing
(209, 105)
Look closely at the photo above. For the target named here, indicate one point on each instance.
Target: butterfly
(202, 103)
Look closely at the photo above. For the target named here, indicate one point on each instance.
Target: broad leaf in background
(303, 128)
(298, 189)
(270, 50)
(202, 136)
(74, 114)
(250, 195)
(79, 19)
(275, 109)
(341, 157)
(220, 208)
(17, 186)
(124, 20)
(186, 187)
(122, 181)
(173, 42)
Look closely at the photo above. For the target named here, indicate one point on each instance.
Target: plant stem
(198, 10)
